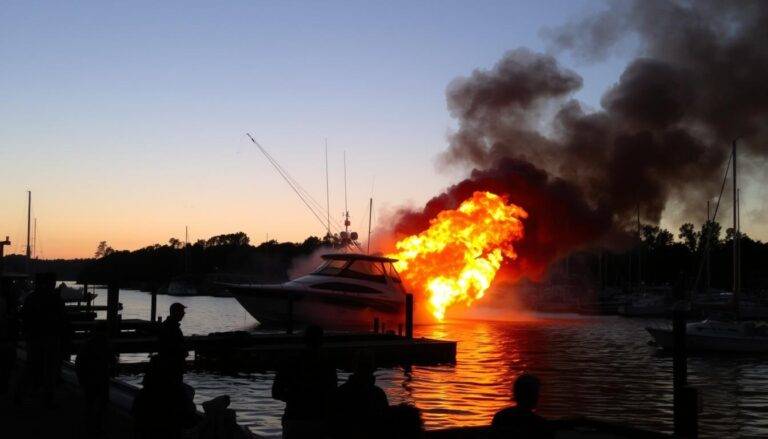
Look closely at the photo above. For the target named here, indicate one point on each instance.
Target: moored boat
(714, 335)
(347, 290)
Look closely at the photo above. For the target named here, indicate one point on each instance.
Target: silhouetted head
(403, 421)
(365, 364)
(313, 336)
(177, 311)
(526, 391)
(45, 282)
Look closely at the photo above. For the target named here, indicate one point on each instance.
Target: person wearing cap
(172, 350)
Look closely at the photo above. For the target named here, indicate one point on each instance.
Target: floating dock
(230, 350)
(267, 351)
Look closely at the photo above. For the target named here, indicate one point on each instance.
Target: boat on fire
(347, 290)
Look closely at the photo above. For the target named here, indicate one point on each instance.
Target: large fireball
(457, 257)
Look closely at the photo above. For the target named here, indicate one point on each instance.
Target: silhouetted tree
(711, 230)
(654, 238)
(103, 249)
(175, 243)
(689, 236)
(233, 239)
(222, 254)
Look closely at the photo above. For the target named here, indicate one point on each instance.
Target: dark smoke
(661, 136)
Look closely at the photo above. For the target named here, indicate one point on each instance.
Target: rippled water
(601, 367)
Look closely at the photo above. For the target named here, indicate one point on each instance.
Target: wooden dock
(229, 350)
(267, 350)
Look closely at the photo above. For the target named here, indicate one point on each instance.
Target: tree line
(227, 254)
(660, 257)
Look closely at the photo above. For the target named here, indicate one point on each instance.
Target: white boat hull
(664, 338)
(276, 305)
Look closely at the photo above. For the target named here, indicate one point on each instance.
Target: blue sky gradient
(127, 119)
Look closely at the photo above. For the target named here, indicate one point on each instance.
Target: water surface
(600, 367)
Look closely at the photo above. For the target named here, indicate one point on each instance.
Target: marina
(384, 220)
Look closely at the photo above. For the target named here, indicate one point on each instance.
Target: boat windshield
(331, 267)
(373, 271)
(392, 273)
(367, 270)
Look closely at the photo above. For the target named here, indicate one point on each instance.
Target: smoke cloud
(662, 134)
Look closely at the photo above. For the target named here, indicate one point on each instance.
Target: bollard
(113, 297)
(375, 325)
(409, 316)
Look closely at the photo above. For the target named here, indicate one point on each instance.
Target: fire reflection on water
(477, 386)
(600, 367)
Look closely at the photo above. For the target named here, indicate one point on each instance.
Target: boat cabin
(377, 269)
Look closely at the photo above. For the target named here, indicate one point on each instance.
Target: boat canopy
(350, 256)
(359, 266)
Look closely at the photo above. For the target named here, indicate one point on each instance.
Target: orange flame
(457, 257)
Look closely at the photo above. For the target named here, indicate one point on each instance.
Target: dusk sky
(127, 120)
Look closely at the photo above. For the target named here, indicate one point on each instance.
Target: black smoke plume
(661, 137)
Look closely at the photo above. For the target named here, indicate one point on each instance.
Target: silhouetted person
(171, 347)
(44, 325)
(358, 404)
(95, 364)
(164, 407)
(307, 385)
(220, 422)
(8, 333)
(520, 420)
(402, 421)
(10, 325)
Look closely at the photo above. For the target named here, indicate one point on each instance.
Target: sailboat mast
(346, 210)
(29, 216)
(186, 249)
(327, 195)
(708, 278)
(736, 233)
(370, 215)
(34, 240)
(639, 252)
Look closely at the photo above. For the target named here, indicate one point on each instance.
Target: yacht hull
(664, 338)
(277, 305)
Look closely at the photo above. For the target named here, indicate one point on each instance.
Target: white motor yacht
(347, 290)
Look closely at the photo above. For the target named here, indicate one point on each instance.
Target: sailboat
(722, 335)
(185, 284)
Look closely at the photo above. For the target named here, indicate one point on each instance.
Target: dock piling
(113, 298)
(88, 299)
(153, 305)
(409, 316)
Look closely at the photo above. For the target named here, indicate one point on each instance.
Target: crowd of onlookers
(316, 406)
